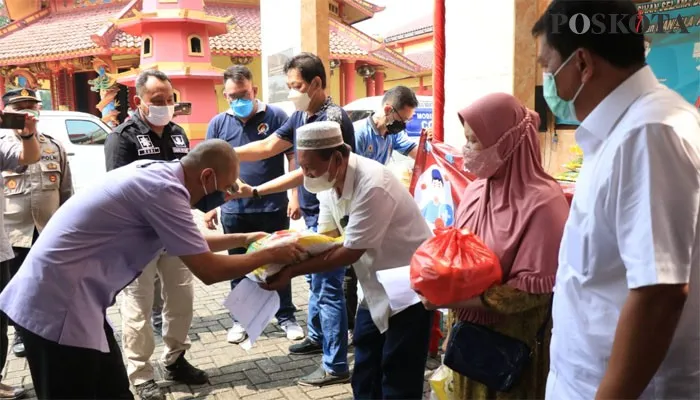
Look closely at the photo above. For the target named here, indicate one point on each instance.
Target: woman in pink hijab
(519, 211)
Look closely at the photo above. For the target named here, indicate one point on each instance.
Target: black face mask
(395, 127)
(210, 201)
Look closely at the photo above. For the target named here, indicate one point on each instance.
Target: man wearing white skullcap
(382, 227)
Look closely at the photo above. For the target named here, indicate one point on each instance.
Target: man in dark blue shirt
(328, 320)
(249, 120)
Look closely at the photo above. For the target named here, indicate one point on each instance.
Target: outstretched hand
(254, 237)
(286, 254)
(278, 281)
(245, 191)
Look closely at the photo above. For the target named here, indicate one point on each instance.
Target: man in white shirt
(382, 227)
(626, 300)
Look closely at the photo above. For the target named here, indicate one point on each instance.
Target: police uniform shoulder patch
(263, 128)
(55, 143)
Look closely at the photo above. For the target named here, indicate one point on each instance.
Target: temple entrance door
(85, 99)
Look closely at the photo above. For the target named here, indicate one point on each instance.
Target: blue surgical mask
(242, 107)
(563, 109)
(211, 200)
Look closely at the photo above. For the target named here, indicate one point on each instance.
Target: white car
(83, 136)
(401, 165)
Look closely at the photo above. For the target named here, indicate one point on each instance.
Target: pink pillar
(349, 80)
(379, 83)
(369, 86)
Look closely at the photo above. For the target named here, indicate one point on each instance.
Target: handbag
(489, 357)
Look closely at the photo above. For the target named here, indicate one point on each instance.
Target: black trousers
(67, 372)
(4, 343)
(350, 287)
(391, 365)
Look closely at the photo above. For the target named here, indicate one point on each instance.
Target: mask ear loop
(526, 120)
(564, 63)
(337, 168)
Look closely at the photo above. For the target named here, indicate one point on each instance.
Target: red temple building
(78, 50)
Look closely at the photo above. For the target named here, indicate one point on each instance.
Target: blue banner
(422, 119)
(675, 57)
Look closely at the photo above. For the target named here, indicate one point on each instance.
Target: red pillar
(439, 70)
(369, 86)
(379, 83)
(349, 80)
(2, 87)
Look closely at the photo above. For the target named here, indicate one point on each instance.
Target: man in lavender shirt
(97, 243)
(13, 155)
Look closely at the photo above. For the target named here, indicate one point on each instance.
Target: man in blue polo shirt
(327, 321)
(249, 120)
(385, 130)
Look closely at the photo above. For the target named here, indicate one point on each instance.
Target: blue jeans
(391, 365)
(328, 319)
(262, 222)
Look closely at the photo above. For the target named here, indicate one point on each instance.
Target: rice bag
(442, 385)
(313, 243)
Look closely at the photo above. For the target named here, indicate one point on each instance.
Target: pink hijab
(519, 212)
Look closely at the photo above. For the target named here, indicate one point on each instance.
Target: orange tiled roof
(423, 58)
(57, 36)
(67, 35)
(242, 39)
(419, 26)
(366, 5)
(348, 42)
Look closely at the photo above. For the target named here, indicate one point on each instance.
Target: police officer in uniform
(150, 134)
(32, 193)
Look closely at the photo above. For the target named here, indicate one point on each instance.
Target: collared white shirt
(377, 214)
(634, 222)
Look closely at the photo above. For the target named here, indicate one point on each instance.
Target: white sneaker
(293, 331)
(236, 334)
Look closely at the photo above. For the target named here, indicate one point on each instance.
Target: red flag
(438, 181)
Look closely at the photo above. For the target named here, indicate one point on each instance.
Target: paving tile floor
(265, 372)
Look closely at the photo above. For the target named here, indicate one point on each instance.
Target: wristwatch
(256, 195)
(26, 137)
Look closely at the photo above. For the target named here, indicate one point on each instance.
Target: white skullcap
(319, 135)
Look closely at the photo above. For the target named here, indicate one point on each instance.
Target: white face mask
(160, 115)
(301, 100)
(321, 183)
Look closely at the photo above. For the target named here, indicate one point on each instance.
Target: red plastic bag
(454, 265)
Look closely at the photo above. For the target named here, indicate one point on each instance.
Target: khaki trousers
(136, 309)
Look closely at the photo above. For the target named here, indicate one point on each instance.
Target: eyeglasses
(400, 116)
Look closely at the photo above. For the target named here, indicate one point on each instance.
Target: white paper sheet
(397, 283)
(253, 307)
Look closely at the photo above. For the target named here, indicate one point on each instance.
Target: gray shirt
(9, 160)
